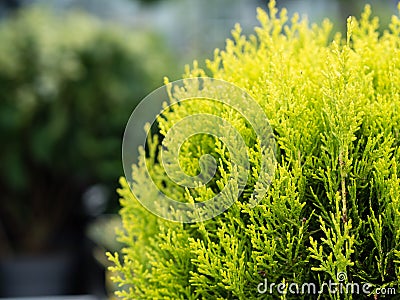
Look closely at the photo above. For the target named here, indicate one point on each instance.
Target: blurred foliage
(149, 1)
(67, 87)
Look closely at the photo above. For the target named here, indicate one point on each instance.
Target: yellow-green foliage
(334, 204)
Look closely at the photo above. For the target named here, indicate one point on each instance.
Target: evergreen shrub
(333, 207)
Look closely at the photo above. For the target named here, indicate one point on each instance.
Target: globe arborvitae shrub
(333, 206)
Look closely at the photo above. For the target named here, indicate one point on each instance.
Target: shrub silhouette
(334, 203)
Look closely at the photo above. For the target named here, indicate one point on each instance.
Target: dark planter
(38, 275)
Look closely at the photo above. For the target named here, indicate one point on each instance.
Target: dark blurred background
(71, 73)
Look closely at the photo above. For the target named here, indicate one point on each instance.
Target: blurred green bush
(68, 84)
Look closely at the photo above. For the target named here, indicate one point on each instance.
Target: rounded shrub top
(332, 211)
